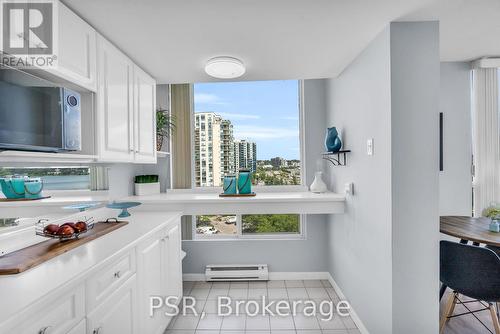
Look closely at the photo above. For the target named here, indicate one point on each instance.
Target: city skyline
(266, 113)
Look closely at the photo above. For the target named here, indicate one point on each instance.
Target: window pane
(269, 224)
(247, 125)
(54, 178)
(216, 224)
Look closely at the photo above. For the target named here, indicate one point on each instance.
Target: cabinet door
(76, 49)
(144, 117)
(81, 328)
(117, 314)
(174, 262)
(56, 314)
(114, 104)
(150, 257)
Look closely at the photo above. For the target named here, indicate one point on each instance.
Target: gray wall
(281, 255)
(383, 253)
(455, 181)
(415, 170)
(359, 104)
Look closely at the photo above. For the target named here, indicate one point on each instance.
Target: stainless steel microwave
(36, 115)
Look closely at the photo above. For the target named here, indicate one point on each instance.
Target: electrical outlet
(369, 146)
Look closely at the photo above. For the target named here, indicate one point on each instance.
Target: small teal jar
(33, 188)
(13, 187)
(229, 185)
(245, 182)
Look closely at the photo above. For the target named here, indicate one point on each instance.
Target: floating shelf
(336, 158)
(161, 154)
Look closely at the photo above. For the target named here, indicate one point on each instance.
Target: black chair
(474, 272)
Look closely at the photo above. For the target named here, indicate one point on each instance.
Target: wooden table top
(469, 228)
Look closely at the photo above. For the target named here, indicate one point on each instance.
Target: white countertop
(191, 203)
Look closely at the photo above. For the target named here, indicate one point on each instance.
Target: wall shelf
(337, 158)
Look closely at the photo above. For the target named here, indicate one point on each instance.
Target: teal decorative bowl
(81, 206)
(124, 206)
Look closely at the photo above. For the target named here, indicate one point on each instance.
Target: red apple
(72, 225)
(81, 227)
(65, 231)
(51, 229)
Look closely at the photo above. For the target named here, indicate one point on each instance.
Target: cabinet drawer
(112, 275)
(56, 313)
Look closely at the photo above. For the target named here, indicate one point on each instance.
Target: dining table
(468, 229)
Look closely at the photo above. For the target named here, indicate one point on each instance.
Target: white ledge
(197, 203)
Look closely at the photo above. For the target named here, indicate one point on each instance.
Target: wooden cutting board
(29, 257)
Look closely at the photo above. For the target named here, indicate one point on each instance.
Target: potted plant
(146, 185)
(164, 126)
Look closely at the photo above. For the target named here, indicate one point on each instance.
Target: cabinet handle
(117, 274)
(44, 330)
(97, 330)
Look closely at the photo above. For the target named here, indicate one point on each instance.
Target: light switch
(349, 188)
(369, 146)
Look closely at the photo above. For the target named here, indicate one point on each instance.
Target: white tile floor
(206, 300)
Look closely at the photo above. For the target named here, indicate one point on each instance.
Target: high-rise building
(278, 162)
(214, 149)
(245, 155)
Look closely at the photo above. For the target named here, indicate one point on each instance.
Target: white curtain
(486, 138)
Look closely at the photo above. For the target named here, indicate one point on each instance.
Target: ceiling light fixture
(225, 67)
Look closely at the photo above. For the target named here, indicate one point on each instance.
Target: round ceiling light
(225, 68)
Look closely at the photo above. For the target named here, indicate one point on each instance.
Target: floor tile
(178, 331)
(294, 284)
(234, 322)
(258, 322)
(199, 293)
(313, 283)
(297, 293)
(204, 331)
(303, 322)
(353, 331)
(275, 284)
(202, 285)
(348, 323)
(335, 331)
(220, 285)
(308, 331)
(257, 285)
(238, 293)
(285, 331)
(315, 293)
(210, 321)
(198, 305)
(334, 323)
(257, 332)
(333, 295)
(232, 332)
(214, 293)
(257, 293)
(278, 323)
(187, 321)
(277, 293)
(239, 285)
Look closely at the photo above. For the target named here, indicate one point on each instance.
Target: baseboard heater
(231, 272)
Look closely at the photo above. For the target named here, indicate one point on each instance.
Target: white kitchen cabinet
(114, 104)
(81, 328)
(159, 274)
(144, 117)
(56, 314)
(76, 54)
(117, 314)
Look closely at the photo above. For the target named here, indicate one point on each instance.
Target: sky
(266, 112)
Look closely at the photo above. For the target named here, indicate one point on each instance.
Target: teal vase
(332, 140)
(244, 182)
(229, 185)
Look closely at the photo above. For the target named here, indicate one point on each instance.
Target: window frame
(276, 188)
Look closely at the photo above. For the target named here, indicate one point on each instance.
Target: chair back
(470, 270)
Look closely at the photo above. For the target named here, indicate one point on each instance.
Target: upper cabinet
(126, 95)
(144, 116)
(76, 50)
(115, 132)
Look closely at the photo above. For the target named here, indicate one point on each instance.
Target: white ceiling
(277, 39)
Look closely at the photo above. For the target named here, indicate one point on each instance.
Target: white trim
(486, 63)
(352, 312)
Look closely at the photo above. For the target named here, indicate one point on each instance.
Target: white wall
(384, 250)
(415, 73)
(455, 181)
(359, 104)
(281, 255)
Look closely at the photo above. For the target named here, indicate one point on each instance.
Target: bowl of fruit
(65, 231)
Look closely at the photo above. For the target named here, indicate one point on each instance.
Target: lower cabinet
(81, 328)
(118, 313)
(159, 275)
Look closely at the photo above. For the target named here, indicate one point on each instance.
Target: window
(63, 177)
(247, 125)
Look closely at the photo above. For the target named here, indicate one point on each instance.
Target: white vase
(142, 189)
(318, 185)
